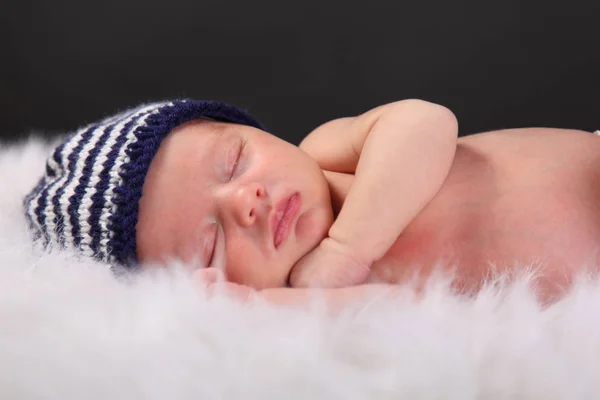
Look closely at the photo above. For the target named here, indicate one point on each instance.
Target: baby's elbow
(439, 126)
(448, 122)
(444, 130)
(447, 125)
(437, 118)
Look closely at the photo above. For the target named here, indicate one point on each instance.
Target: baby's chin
(312, 227)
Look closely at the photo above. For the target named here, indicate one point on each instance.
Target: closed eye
(236, 156)
(210, 245)
(218, 254)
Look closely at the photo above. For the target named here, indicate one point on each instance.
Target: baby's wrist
(364, 246)
(351, 252)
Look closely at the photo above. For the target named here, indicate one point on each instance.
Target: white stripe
(33, 204)
(77, 175)
(109, 207)
(86, 202)
(34, 201)
(48, 212)
(53, 164)
(55, 183)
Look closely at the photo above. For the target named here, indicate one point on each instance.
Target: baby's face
(234, 197)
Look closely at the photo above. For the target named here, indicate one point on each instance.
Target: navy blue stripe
(50, 171)
(31, 195)
(72, 160)
(27, 205)
(80, 189)
(43, 201)
(87, 171)
(86, 174)
(102, 187)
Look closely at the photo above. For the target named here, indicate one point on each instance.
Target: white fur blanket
(69, 330)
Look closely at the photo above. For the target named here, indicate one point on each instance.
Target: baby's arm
(400, 154)
(334, 299)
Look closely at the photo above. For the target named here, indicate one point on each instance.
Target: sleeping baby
(363, 203)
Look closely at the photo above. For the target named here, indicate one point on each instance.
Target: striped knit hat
(88, 197)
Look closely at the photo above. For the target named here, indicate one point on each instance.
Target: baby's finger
(213, 280)
(208, 276)
(233, 290)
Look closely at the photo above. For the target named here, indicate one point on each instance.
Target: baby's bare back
(515, 196)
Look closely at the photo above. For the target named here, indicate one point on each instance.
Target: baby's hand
(330, 265)
(213, 280)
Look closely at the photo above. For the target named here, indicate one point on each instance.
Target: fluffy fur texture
(70, 330)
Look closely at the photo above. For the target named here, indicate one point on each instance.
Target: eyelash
(238, 156)
(211, 257)
(237, 159)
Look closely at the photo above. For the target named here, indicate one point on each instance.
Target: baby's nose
(249, 203)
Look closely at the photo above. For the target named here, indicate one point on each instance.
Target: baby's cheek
(244, 266)
(233, 272)
(311, 228)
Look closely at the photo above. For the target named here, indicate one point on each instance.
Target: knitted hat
(88, 198)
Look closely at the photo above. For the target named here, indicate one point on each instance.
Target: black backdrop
(294, 65)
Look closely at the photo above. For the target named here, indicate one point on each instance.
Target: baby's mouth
(283, 218)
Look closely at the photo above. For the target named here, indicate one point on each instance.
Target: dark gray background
(294, 65)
